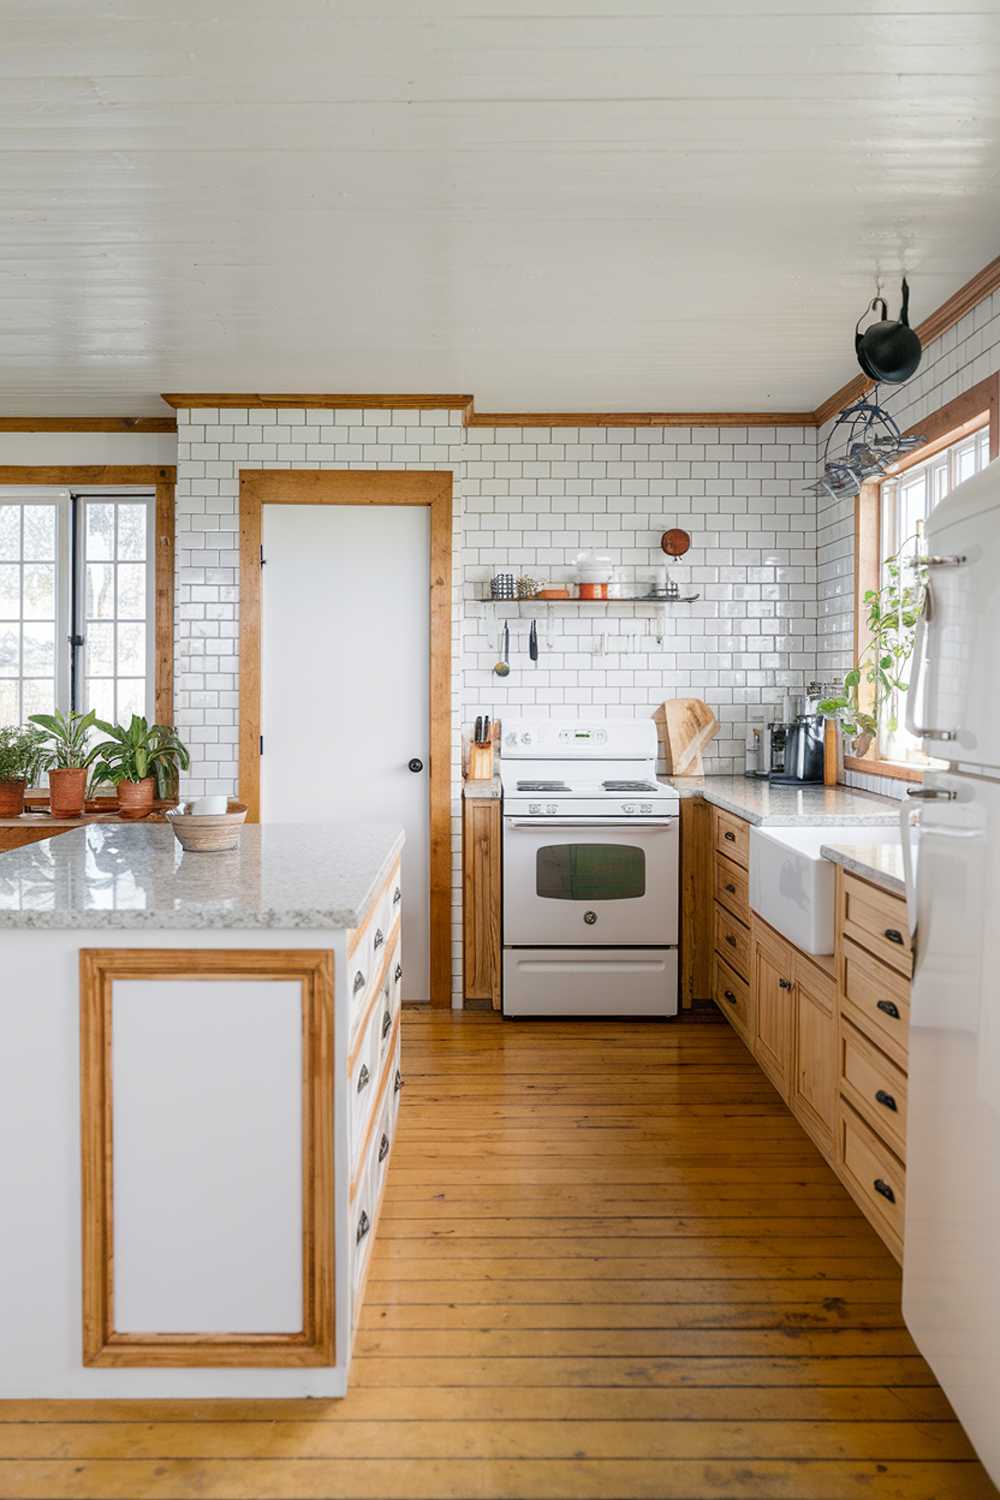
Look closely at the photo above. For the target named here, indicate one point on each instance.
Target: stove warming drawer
(590, 982)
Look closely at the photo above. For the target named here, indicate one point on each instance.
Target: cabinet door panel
(814, 1075)
(773, 1017)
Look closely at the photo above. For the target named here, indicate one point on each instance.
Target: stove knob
(526, 737)
(628, 807)
(550, 808)
(534, 807)
(647, 807)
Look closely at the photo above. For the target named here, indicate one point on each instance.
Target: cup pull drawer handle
(386, 1024)
(364, 1078)
(730, 939)
(730, 996)
(397, 1082)
(884, 1190)
(784, 984)
(731, 888)
(383, 1148)
(359, 981)
(397, 896)
(397, 973)
(886, 1100)
(379, 938)
(888, 1007)
(364, 1224)
(730, 836)
(894, 935)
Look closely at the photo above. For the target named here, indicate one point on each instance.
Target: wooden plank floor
(610, 1265)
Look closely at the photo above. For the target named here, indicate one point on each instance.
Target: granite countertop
(776, 806)
(882, 864)
(129, 876)
(482, 791)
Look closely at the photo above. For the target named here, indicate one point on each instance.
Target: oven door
(599, 882)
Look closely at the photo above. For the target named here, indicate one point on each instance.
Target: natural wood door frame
(103, 1343)
(161, 478)
(431, 488)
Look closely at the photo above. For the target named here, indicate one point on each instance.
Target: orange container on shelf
(593, 591)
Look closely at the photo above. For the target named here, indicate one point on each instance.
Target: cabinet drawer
(873, 1174)
(732, 838)
(734, 998)
(732, 887)
(874, 1085)
(363, 1081)
(877, 921)
(876, 999)
(732, 941)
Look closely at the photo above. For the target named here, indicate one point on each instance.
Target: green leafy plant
(65, 739)
(891, 614)
(139, 751)
(20, 754)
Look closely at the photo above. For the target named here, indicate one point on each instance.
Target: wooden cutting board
(684, 726)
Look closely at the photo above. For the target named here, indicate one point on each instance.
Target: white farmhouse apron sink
(793, 887)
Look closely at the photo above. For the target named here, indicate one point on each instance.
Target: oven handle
(653, 825)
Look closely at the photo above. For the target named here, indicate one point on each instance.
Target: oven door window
(590, 872)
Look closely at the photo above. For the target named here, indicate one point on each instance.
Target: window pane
(40, 591)
(100, 530)
(39, 643)
(132, 649)
(100, 602)
(100, 696)
(10, 532)
(966, 462)
(132, 591)
(10, 591)
(590, 872)
(39, 696)
(131, 698)
(100, 650)
(10, 650)
(40, 532)
(131, 533)
(9, 710)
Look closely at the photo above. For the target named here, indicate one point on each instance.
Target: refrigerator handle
(906, 820)
(922, 731)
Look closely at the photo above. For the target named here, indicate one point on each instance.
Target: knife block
(481, 762)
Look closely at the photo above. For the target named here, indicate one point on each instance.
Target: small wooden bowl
(209, 833)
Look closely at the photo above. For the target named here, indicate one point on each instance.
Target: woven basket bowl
(209, 833)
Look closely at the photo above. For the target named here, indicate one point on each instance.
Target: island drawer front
(366, 947)
(732, 941)
(877, 922)
(875, 1086)
(732, 838)
(732, 887)
(363, 1082)
(876, 999)
(389, 1006)
(734, 998)
(361, 1221)
(873, 1174)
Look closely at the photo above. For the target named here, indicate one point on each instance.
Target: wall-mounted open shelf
(589, 603)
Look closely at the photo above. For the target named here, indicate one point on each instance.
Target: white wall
(87, 447)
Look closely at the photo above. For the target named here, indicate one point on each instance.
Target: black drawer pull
(397, 973)
(730, 939)
(383, 1148)
(730, 996)
(731, 889)
(397, 1082)
(784, 984)
(894, 935)
(884, 1190)
(386, 1024)
(730, 836)
(364, 1078)
(364, 1224)
(359, 981)
(379, 938)
(397, 896)
(886, 1100)
(888, 1007)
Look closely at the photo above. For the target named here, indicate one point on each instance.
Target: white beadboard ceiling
(621, 204)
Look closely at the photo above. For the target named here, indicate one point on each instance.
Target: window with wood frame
(962, 438)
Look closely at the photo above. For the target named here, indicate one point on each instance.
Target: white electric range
(591, 870)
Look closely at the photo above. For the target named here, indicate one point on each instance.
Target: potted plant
(66, 756)
(20, 759)
(892, 614)
(141, 762)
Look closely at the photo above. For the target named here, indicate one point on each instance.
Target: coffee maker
(793, 746)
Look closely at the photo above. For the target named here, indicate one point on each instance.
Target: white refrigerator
(951, 1262)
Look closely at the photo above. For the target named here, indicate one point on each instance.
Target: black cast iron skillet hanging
(888, 350)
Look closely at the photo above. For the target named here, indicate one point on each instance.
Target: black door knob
(415, 764)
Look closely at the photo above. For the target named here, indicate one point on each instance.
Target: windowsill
(899, 770)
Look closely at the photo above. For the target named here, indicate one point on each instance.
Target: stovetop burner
(629, 786)
(542, 786)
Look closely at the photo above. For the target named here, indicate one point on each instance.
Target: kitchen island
(199, 1081)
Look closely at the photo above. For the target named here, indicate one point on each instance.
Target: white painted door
(345, 663)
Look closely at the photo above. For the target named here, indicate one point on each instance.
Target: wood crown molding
(88, 424)
(975, 290)
(640, 419)
(318, 401)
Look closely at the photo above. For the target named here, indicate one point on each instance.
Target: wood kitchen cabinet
(774, 1017)
(813, 1079)
(481, 904)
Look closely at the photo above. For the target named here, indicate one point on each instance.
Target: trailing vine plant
(891, 613)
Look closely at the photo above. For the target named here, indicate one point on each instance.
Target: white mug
(204, 807)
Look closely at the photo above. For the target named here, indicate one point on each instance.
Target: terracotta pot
(12, 798)
(67, 790)
(135, 798)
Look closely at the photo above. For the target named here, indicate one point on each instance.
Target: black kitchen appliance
(795, 750)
